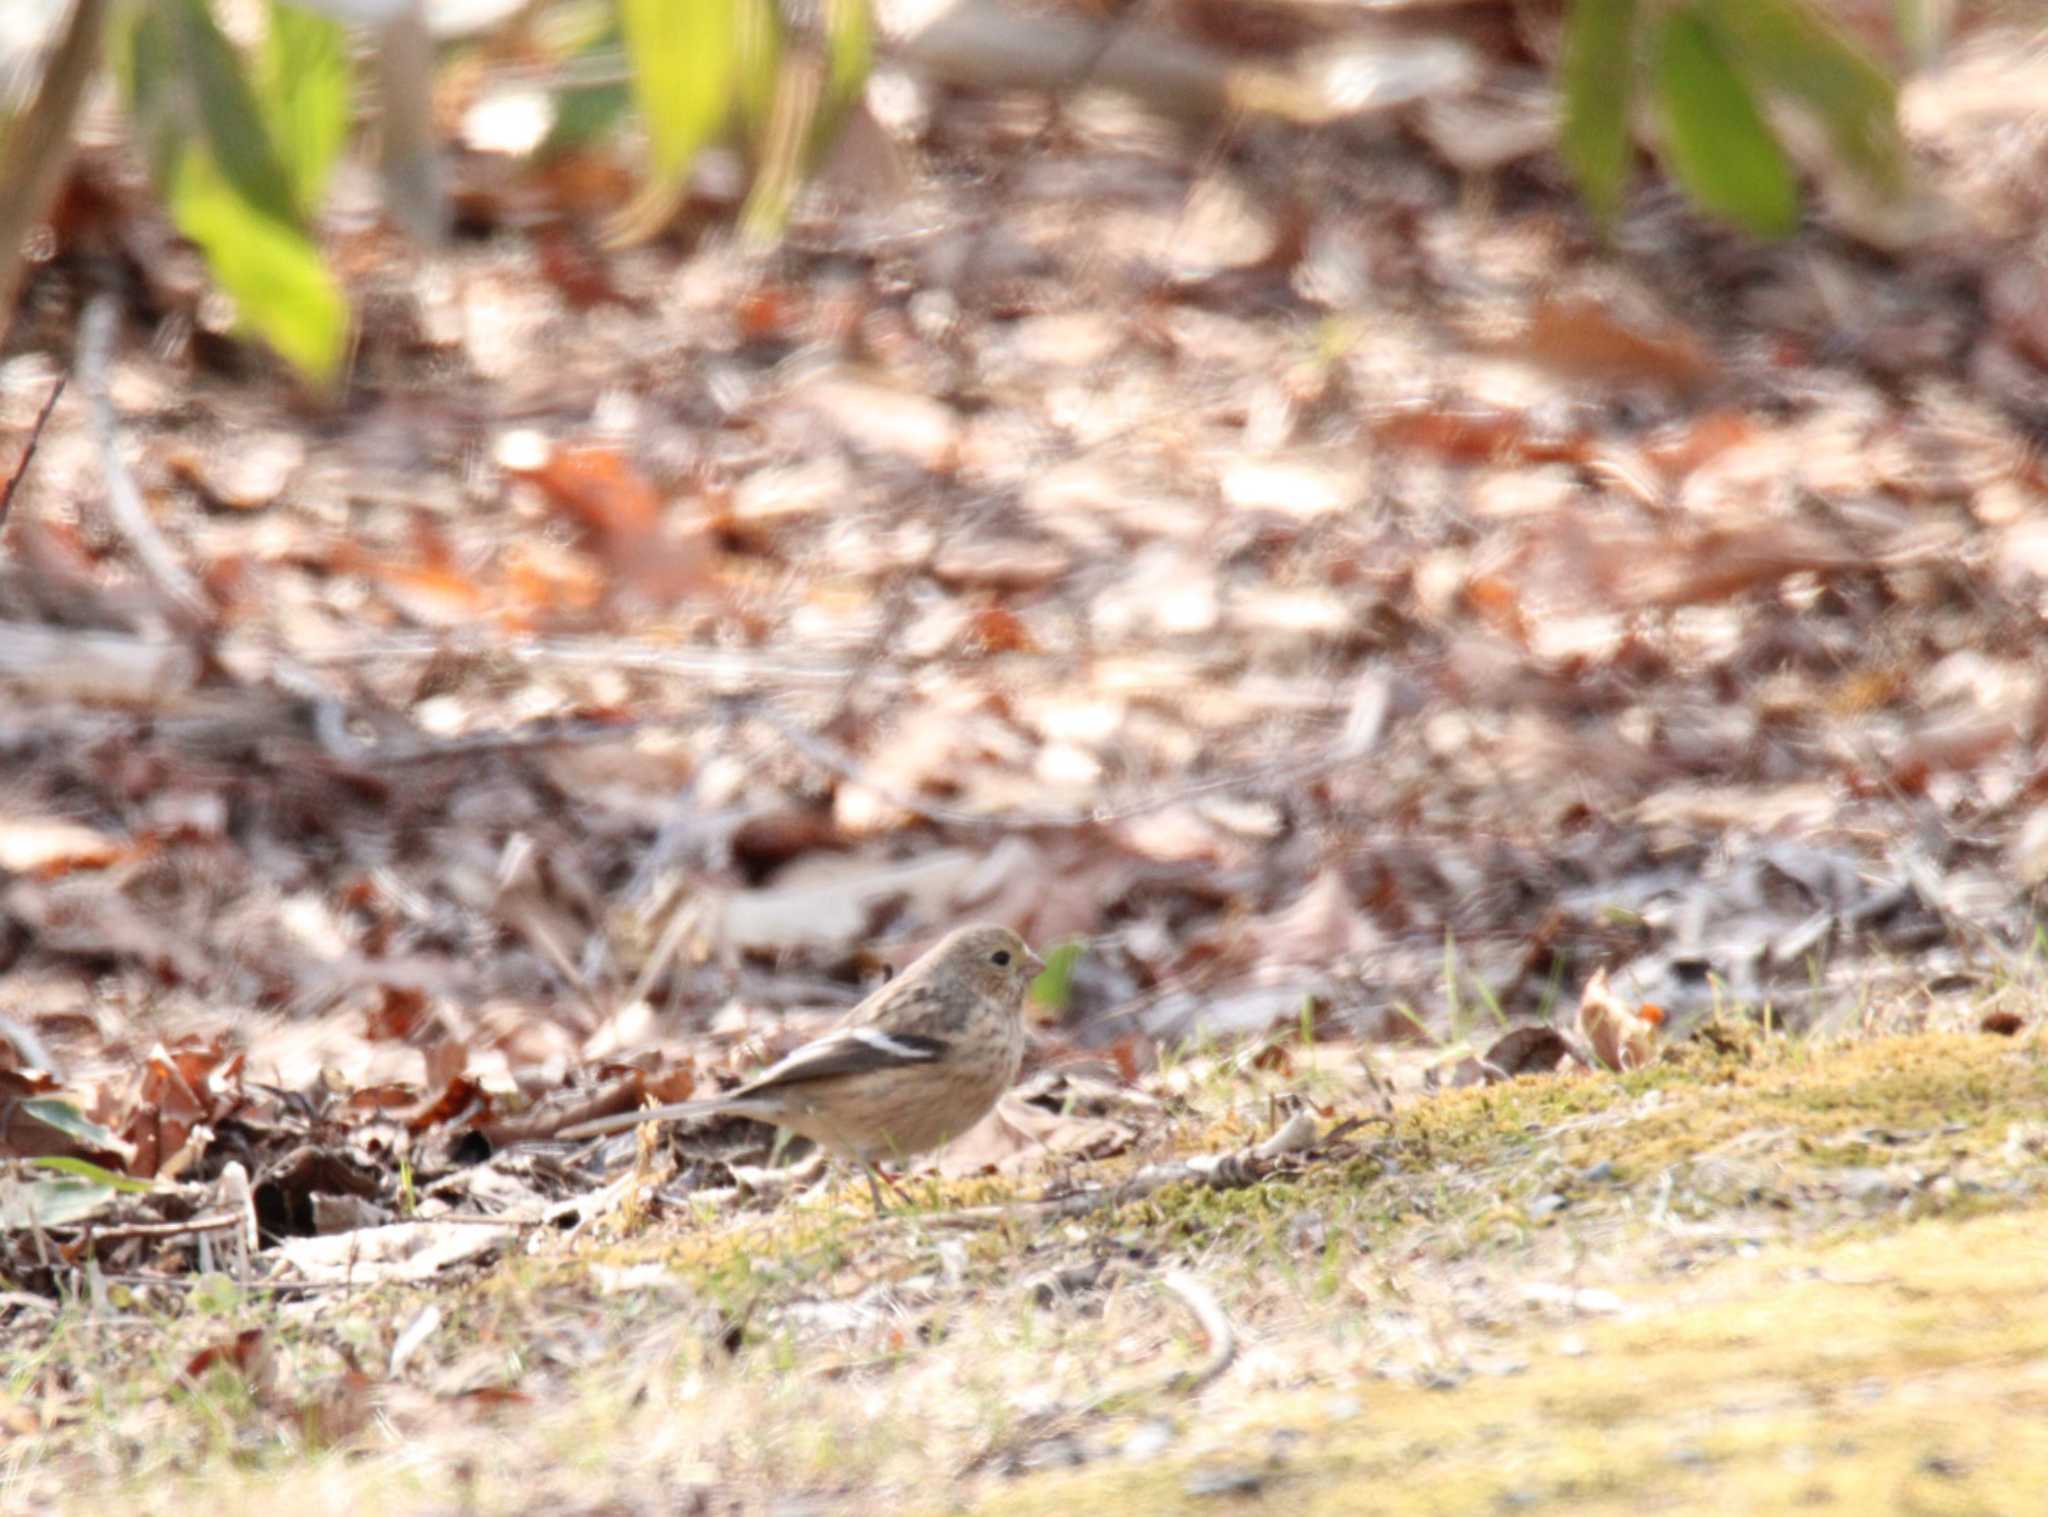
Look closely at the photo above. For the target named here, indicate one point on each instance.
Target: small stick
(212, 1222)
(1209, 1316)
(35, 435)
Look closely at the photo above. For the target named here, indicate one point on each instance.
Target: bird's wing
(852, 1050)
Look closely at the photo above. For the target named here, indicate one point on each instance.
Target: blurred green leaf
(209, 151)
(227, 113)
(685, 60)
(1785, 45)
(1924, 27)
(1599, 68)
(77, 1126)
(282, 287)
(303, 86)
(808, 100)
(1054, 987)
(757, 39)
(51, 1203)
(778, 147)
(85, 1169)
(214, 1294)
(1715, 139)
(850, 45)
(584, 115)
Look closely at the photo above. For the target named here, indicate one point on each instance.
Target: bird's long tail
(675, 1112)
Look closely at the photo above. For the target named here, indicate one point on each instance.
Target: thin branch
(124, 501)
(1209, 1316)
(211, 1222)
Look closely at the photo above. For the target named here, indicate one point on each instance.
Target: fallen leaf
(1620, 1037)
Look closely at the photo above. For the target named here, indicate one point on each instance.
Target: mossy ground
(1763, 1275)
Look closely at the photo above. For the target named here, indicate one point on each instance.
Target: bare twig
(1209, 1316)
(35, 436)
(210, 1222)
(124, 501)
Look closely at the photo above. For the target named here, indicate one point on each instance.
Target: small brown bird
(910, 1068)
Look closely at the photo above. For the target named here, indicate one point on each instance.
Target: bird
(912, 1067)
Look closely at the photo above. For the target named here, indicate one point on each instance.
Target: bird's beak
(1034, 963)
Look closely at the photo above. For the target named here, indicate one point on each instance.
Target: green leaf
(1599, 69)
(1054, 987)
(227, 114)
(1715, 139)
(51, 1203)
(1786, 46)
(758, 63)
(77, 1126)
(303, 86)
(85, 1169)
(283, 290)
(209, 152)
(685, 61)
(850, 44)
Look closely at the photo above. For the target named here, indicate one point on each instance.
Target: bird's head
(993, 960)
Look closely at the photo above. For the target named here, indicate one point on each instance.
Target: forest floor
(1325, 593)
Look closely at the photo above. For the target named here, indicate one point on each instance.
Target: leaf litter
(1369, 645)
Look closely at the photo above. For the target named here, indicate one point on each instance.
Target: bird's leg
(876, 1173)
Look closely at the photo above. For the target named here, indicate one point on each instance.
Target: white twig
(125, 509)
(1209, 1316)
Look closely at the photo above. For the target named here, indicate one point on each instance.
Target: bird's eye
(1000, 957)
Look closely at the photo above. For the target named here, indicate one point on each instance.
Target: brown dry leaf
(1621, 1037)
(397, 1016)
(1717, 564)
(578, 268)
(626, 1089)
(597, 489)
(619, 513)
(427, 594)
(544, 580)
(180, 1088)
(1699, 440)
(47, 847)
(1525, 1051)
(2004, 1024)
(1582, 340)
(246, 1355)
(461, 1100)
(1478, 437)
